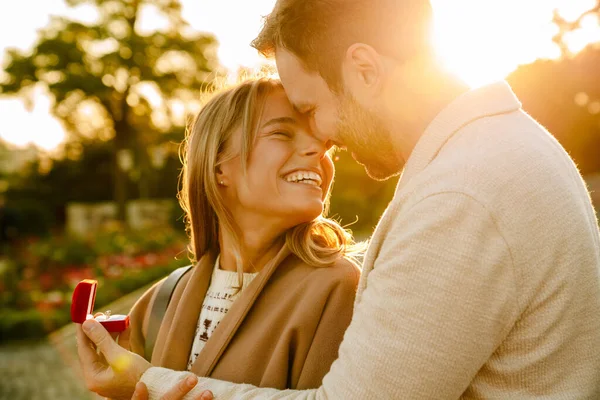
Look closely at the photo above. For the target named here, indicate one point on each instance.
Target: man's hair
(319, 32)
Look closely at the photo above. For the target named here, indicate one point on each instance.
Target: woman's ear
(221, 176)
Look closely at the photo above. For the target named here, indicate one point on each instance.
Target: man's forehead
(295, 80)
(288, 61)
(301, 86)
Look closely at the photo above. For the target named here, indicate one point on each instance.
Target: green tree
(358, 201)
(112, 81)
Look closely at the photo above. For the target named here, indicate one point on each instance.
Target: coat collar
(494, 99)
(182, 327)
(179, 323)
(222, 335)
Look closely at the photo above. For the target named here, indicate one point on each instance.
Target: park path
(49, 369)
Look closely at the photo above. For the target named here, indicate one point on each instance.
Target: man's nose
(316, 132)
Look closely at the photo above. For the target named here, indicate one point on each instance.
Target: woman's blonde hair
(319, 242)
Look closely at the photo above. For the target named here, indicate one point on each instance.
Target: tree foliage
(99, 76)
(110, 80)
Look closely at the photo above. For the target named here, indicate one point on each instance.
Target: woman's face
(289, 172)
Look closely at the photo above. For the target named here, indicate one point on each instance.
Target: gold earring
(222, 183)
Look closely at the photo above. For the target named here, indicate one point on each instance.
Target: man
(482, 278)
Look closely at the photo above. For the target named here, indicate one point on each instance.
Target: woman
(272, 290)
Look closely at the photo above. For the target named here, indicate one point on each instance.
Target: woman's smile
(284, 148)
(308, 178)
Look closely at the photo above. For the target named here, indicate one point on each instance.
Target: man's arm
(440, 299)
(160, 380)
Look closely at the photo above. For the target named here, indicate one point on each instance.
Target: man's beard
(369, 141)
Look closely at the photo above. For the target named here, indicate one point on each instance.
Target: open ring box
(82, 307)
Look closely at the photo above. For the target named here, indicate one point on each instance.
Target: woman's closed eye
(282, 134)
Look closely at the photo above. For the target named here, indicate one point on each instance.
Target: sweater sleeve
(438, 302)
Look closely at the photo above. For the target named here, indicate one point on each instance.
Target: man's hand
(108, 369)
(177, 392)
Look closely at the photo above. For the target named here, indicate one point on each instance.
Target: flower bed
(37, 280)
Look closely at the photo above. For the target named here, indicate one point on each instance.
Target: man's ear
(363, 71)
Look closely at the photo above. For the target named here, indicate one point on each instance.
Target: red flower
(46, 281)
(74, 275)
(44, 306)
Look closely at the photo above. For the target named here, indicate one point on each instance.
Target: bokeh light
(480, 49)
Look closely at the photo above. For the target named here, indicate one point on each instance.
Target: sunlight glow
(570, 10)
(21, 127)
(235, 23)
(478, 49)
(150, 91)
(504, 35)
(150, 20)
(580, 38)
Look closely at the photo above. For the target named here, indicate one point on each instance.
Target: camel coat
(283, 331)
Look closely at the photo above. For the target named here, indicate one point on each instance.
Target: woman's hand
(177, 392)
(108, 369)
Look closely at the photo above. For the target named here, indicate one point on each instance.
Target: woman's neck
(258, 246)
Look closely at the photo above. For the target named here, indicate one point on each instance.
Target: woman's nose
(314, 147)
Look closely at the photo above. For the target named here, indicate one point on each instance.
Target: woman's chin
(305, 213)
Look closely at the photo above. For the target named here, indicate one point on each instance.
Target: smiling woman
(255, 186)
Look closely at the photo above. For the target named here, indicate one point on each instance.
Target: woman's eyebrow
(280, 120)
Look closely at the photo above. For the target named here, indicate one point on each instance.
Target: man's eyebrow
(280, 120)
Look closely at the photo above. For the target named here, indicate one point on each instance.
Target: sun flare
(480, 41)
(504, 35)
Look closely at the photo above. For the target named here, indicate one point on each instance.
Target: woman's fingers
(141, 392)
(100, 316)
(103, 341)
(123, 340)
(85, 348)
(182, 388)
(92, 364)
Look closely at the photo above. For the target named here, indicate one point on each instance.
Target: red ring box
(82, 307)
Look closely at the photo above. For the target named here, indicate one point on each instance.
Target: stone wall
(83, 218)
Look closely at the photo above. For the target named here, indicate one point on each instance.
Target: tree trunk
(121, 179)
(145, 178)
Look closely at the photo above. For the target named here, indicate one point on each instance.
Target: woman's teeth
(306, 177)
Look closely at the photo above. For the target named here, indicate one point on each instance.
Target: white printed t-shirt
(219, 298)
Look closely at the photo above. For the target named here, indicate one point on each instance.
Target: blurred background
(94, 99)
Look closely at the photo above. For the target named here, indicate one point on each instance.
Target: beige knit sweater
(482, 279)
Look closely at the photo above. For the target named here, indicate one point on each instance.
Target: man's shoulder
(514, 169)
(499, 159)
